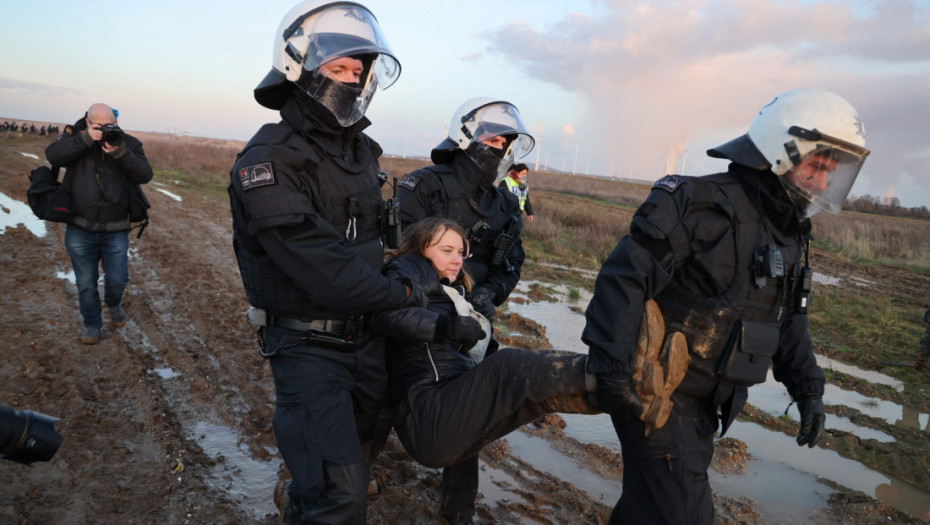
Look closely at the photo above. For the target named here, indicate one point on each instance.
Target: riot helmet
(812, 140)
(481, 119)
(315, 33)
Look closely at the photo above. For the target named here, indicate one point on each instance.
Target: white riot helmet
(314, 33)
(480, 119)
(813, 127)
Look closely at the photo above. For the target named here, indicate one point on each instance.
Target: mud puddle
(788, 483)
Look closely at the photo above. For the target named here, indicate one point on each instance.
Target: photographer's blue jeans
(88, 249)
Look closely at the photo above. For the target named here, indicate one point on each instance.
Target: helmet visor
(338, 31)
(822, 178)
(499, 118)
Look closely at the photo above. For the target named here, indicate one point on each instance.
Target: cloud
(656, 76)
(33, 88)
(473, 57)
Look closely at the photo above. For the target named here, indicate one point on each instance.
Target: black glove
(615, 395)
(481, 300)
(465, 332)
(418, 294)
(813, 417)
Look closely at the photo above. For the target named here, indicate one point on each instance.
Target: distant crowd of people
(29, 127)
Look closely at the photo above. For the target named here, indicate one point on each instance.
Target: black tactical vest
(484, 221)
(733, 336)
(350, 201)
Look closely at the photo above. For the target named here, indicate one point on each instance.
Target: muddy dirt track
(168, 419)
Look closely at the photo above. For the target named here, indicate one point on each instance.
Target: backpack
(49, 199)
(138, 207)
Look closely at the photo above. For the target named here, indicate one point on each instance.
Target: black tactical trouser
(328, 401)
(447, 424)
(665, 473)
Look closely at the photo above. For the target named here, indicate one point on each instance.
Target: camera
(112, 134)
(27, 436)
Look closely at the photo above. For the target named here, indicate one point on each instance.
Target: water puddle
(772, 398)
(782, 478)
(782, 493)
(828, 280)
(14, 212)
(166, 373)
(537, 452)
(247, 481)
(173, 196)
(495, 485)
(869, 375)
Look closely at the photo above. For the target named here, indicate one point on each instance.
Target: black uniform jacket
(690, 247)
(305, 199)
(99, 181)
(462, 192)
(418, 351)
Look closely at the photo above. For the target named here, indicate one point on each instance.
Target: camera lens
(113, 137)
(112, 134)
(27, 436)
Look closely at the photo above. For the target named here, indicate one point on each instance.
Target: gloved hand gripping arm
(483, 302)
(461, 331)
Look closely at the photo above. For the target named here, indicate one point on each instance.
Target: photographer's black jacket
(463, 192)
(99, 181)
(305, 199)
(691, 247)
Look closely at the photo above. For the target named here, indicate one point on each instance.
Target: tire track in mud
(211, 387)
(115, 463)
(902, 286)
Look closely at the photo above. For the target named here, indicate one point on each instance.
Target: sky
(609, 87)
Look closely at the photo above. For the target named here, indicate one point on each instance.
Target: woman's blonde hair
(417, 237)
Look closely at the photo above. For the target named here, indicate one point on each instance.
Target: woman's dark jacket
(419, 353)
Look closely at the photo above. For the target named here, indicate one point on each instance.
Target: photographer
(100, 162)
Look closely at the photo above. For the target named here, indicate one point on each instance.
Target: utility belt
(345, 329)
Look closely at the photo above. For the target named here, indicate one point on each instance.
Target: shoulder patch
(668, 183)
(255, 176)
(409, 181)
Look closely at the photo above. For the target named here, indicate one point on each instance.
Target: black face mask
(492, 161)
(499, 152)
(340, 98)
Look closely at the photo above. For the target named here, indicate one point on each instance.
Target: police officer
(485, 135)
(305, 200)
(726, 257)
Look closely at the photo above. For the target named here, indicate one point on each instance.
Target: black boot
(458, 492)
(288, 505)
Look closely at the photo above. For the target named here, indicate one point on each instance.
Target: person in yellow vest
(515, 181)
